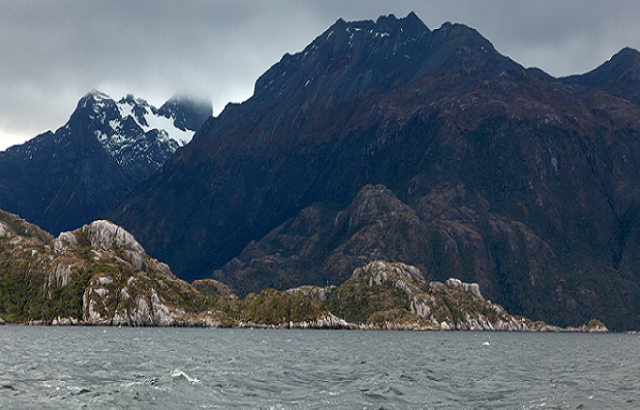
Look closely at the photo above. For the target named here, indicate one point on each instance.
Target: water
(99, 368)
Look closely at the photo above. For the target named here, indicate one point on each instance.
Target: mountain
(65, 179)
(620, 76)
(387, 140)
(236, 173)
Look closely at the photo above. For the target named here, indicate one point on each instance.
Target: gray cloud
(52, 53)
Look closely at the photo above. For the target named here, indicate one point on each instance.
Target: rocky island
(100, 275)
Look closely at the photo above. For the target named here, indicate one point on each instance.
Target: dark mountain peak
(410, 23)
(349, 58)
(389, 27)
(626, 56)
(187, 113)
(388, 23)
(620, 76)
(364, 57)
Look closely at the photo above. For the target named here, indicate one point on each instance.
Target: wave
(179, 374)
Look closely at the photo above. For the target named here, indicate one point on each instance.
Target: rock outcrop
(131, 289)
(395, 296)
(96, 275)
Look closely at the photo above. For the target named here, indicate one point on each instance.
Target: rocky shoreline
(321, 324)
(99, 275)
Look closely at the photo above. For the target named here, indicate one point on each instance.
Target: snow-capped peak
(132, 131)
(169, 120)
(137, 135)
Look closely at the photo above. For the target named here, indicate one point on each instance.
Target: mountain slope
(65, 179)
(449, 232)
(504, 177)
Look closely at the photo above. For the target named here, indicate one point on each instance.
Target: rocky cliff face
(501, 176)
(97, 275)
(396, 296)
(65, 179)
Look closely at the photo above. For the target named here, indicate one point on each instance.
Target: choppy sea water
(104, 368)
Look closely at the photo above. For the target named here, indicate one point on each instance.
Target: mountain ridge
(64, 179)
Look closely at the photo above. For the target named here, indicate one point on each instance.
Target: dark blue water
(104, 368)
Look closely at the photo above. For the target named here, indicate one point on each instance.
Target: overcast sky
(54, 52)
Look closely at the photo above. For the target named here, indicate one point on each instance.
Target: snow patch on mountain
(147, 118)
(130, 120)
(160, 122)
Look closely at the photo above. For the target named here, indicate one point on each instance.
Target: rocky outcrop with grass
(395, 296)
(100, 275)
(96, 275)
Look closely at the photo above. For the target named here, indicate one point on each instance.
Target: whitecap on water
(179, 374)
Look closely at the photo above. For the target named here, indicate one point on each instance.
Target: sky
(54, 52)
